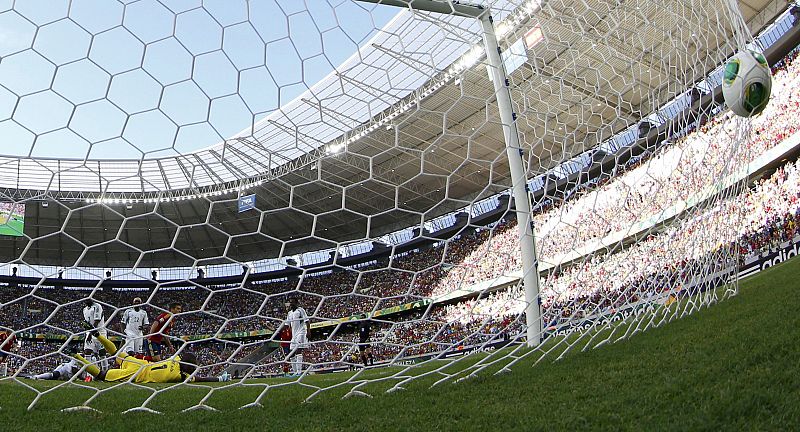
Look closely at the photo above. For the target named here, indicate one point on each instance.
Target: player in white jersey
(62, 372)
(94, 320)
(297, 320)
(135, 321)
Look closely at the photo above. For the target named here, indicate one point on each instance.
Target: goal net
(353, 197)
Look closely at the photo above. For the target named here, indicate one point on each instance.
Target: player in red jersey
(160, 332)
(7, 339)
(285, 336)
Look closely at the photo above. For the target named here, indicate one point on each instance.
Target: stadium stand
(603, 283)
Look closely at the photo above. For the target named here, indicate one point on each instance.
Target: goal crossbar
(449, 8)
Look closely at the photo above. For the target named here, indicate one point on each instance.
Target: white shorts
(93, 344)
(65, 371)
(300, 341)
(133, 343)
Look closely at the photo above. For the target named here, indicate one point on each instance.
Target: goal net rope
(340, 170)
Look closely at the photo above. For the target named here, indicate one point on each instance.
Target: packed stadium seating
(646, 187)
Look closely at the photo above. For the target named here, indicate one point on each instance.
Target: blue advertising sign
(247, 202)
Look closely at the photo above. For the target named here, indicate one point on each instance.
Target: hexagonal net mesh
(293, 189)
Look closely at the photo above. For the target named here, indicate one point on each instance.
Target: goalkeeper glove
(224, 377)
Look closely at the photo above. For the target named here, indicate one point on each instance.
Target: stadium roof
(373, 132)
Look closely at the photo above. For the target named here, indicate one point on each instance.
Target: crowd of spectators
(672, 174)
(684, 257)
(696, 244)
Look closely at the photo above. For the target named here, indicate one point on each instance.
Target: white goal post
(514, 151)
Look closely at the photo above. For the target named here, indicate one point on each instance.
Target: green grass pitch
(733, 366)
(14, 227)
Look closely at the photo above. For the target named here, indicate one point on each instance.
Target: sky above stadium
(108, 80)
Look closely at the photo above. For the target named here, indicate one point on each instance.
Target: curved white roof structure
(378, 75)
(404, 131)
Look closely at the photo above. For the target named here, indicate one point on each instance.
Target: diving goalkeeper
(172, 370)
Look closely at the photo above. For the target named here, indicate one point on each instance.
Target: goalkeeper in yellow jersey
(172, 370)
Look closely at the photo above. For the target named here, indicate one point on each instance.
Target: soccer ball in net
(747, 83)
